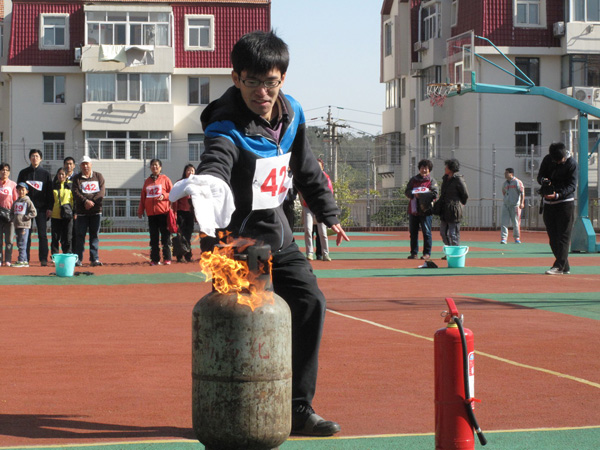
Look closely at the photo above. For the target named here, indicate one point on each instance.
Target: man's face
(86, 168)
(35, 159)
(69, 166)
(508, 175)
(260, 100)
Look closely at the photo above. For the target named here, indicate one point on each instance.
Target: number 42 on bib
(271, 182)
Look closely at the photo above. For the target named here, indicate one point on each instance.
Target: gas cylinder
(241, 373)
(453, 429)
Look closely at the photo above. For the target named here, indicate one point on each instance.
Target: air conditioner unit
(597, 97)
(584, 94)
(530, 165)
(420, 46)
(77, 111)
(77, 54)
(558, 29)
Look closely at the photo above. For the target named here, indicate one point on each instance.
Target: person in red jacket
(155, 203)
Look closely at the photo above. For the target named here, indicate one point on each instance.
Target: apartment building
(556, 43)
(120, 81)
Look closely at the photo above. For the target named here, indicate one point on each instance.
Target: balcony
(127, 116)
(580, 37)
(136, 59)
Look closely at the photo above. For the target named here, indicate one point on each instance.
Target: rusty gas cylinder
(241, 373)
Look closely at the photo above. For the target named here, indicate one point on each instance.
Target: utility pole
(332, 135)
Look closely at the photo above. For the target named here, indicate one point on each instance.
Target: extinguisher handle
(452, 309)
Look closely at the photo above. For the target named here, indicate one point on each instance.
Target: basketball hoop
(438, 92)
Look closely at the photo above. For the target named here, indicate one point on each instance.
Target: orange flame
(233, 276)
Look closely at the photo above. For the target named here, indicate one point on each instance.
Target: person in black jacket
(255, 141)
(39, 181)
(453, 197)
(558, 178)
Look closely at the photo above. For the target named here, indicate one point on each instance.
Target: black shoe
(43, 263)
(412, 256)
(78, 263)
(96, 263)
(305, 421)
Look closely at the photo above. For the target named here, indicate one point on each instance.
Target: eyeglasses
(253, 83)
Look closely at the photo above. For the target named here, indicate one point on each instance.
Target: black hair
(259, 52)
(453, 165)
(510, 170)
(60, 169)
(69, 158)
(35, 150)
(425, 163)
(3, 165)
(153, 160)
(557, 151)
(187, 166)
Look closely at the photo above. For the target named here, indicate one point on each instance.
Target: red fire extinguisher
(454, 371)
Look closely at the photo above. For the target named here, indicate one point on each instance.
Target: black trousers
(559, 219)
(295, 282)
(185, 223)
(62, 230)
(42, 232)
(158, 231)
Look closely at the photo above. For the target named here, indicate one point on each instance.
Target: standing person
(513, 194)
(39, 181)
(23, 211)
(62, 217)
(422, 190)
(255, 141)
(69, 166)
(309, 219)
(185, 217)
(88, 193)
(154, 201)
(8, 194)
(558, 177)
(453, 197)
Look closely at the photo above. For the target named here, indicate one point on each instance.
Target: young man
(39, 181)
(88, 193)
(69, 166)
(513, 193)
(255, 142)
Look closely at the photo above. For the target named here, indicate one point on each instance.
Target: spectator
(8, 194)
(422, 191)
(39, 181)
(62, 215)
(88, 193)
(23, 210)
(309, 219)
(69, 166)
(185, 218)
(558, 177)
(513, 194)
(155, 203)
(453, 197)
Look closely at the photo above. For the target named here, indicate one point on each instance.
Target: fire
(230, 275)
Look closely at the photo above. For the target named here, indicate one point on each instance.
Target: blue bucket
(456, 255)
(64, 264)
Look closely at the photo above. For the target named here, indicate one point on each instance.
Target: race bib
(154, 191)
(90, 187)
(20, 208)
(37, 185)
(272, 179)
(420, 190)
(6, 191)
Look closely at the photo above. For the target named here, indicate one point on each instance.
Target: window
(430, 22)
(54, 146)
(580, 70)
(403, 87)
(54, 32)
(413, 114)
(530, 67)
(54, 89)
(454, 13)
(121, 202)
(388, 38)
(198, 90)
(110, 87)
(526, 135)
(529, 13)
(431, 139)
(142, 145)
(199, 32)
(430, 75)
(392, 94)
(586, 10)
(195, 146)
(1, 42)
(128, 28)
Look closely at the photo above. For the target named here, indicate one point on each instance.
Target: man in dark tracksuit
(255, 141)
(560, 170)
(39, 181)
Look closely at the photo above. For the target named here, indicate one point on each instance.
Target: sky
(334, 60)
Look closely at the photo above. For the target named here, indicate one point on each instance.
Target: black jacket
(43, 199)
(235, 141)
(563, 177)
(453, 196)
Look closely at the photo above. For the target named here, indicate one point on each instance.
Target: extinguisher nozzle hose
(470, 412)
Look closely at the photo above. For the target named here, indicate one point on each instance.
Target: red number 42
(270, 184)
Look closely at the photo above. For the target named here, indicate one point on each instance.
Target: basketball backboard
(460, 59)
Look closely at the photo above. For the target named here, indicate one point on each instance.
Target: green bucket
(456, 255)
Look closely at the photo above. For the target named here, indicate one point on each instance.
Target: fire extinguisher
(454, 371)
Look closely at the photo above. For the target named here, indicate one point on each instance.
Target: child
(21, 213)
